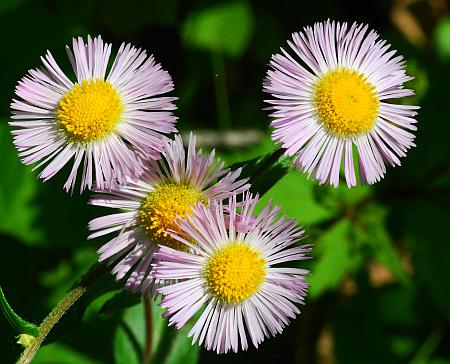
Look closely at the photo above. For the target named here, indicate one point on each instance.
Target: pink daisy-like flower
(104, 120)
(231, 275)
(166, 191)
(332, 99)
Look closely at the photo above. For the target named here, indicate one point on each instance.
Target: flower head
(332, 99)
(168, 190)
(231, 274)
(104, 121)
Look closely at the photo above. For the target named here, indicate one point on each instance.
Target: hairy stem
(58, 311)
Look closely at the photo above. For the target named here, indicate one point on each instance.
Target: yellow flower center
(346, 102)
(161, 208)
(235, 272)
(89, 111)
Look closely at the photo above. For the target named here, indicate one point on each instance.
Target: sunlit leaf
(295, 193)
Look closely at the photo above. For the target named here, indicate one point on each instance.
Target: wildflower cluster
(184, 227)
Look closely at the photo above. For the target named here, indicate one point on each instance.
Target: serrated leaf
(225, 27)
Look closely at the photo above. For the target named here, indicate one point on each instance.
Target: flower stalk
(58, 312)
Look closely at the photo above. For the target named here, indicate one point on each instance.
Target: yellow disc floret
(89, 111)
(346, 102)
(235, 272)
(162, 206)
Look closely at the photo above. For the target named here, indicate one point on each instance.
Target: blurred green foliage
(380, 282)
(210, 28)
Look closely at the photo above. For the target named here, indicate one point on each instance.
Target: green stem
(220, 88)
(429, 346)
(58, 311)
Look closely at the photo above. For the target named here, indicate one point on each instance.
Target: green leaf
(182, 350)
(441, 38)
(386, 254)
(335, 259)
(172, 346)
(120, 301)
(271, 169)
(129, 339)
(59, 353)
(226, 27)
(126, 348)
(337, 198)
(379, 240)
(295, 193)
(18, 323)
(264, 171)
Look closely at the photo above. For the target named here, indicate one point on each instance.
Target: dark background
(381, 274)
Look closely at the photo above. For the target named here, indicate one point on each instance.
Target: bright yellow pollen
(346, 102)
(235, 272)
(162, 206)
(89, 111)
